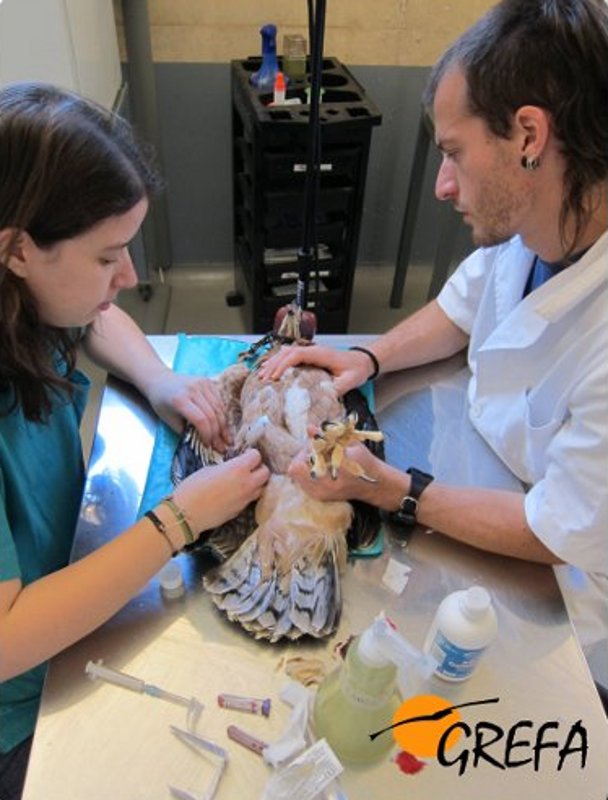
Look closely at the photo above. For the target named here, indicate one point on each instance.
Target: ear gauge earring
(530, 162)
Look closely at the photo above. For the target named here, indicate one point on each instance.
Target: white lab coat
(539, 396)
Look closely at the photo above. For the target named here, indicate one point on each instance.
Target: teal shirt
(41, 483)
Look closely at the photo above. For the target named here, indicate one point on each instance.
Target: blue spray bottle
(264, 78)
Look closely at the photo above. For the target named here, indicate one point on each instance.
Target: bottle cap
(171, 580)
(369, 651)
(477, 600)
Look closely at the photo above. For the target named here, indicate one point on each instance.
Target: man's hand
(346, 485)
(349, 368)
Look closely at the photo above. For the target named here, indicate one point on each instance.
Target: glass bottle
(264, 78)
(294, 56)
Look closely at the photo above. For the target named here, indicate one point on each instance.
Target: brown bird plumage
(281, 576)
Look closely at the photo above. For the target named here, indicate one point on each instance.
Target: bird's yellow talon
(329, 445)
(369, 436)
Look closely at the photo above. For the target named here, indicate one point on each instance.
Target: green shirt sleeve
(9, 563)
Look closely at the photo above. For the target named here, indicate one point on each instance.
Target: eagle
(280, 559)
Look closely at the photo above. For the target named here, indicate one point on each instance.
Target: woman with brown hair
(74, 188)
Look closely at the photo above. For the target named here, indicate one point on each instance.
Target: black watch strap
(408, 509)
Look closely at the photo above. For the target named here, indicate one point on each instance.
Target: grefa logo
(429, 726)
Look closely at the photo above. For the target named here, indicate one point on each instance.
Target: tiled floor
(193, 300)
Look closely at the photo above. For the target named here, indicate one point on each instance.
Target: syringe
(97, 670)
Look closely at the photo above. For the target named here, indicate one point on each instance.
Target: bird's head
(292, 324)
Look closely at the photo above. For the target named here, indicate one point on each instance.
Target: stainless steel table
(95, 740)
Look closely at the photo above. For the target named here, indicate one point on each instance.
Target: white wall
(71, 43)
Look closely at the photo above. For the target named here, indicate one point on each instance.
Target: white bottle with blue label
(464, 625)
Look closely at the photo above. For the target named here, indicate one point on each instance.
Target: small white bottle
(464, 625)
(171, 580)
(279, 90)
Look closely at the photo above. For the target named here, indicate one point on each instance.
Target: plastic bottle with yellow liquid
(361, 697)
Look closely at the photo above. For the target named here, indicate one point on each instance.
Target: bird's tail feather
(303, 600)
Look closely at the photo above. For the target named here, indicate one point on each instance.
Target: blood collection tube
(253, 705)
(246, 739)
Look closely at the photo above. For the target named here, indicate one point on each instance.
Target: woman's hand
(214, 495)
(350, 368)
(176, 398)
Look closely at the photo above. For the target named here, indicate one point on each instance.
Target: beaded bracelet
(373, 358)
(161, 528)
(181, 517)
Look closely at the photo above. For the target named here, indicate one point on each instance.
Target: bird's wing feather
(281, 576)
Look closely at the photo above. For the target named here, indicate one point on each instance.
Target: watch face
(406, 514)
(409, 506)
(408, 509)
